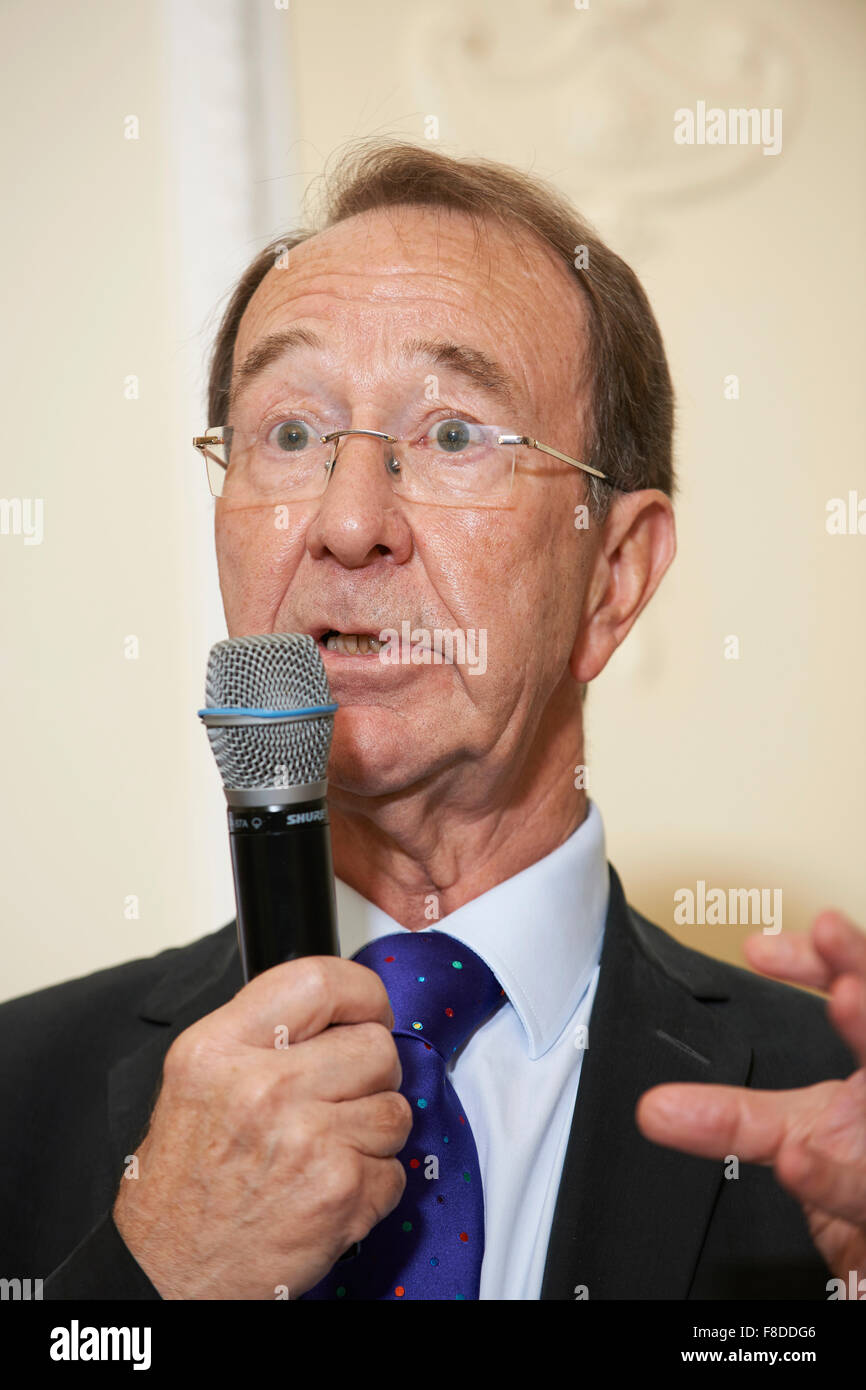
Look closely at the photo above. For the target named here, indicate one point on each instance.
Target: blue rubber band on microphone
(268, 713)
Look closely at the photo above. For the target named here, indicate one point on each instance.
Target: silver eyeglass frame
(200, 442)
(523, 439)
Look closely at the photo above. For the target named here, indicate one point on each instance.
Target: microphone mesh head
(277, 670)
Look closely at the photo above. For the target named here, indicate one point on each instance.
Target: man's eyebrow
(275, 345)
(470, 362)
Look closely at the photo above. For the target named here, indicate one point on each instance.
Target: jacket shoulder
(93, 1005)
(793, 1041)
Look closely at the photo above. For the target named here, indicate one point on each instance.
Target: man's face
(361, 559)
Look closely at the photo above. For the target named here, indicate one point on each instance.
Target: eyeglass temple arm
(546, 449)
(201, 442)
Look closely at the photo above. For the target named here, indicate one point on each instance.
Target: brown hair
(631, 405)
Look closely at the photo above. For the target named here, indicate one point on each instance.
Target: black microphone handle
(284, 883)
(284, 889)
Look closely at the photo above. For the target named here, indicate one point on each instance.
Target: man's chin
(353, 779)
(374, 753)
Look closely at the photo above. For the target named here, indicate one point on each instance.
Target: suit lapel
(200, 979)
(630, 1215)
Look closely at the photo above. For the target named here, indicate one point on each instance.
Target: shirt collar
(539, 931)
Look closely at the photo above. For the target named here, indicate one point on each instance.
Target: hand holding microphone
(263, 1163)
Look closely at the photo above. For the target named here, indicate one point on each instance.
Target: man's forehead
(491, 285)
(438, 251)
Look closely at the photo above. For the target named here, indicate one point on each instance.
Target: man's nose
(360, 518)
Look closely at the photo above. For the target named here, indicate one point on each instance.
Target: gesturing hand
(815, 1137)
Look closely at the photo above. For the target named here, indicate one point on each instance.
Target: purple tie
(431, 1244)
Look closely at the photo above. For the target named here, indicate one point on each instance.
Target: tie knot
(440, 990)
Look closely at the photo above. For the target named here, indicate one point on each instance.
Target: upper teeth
(352, 643)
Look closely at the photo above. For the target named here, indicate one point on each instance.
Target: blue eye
(453, 435)
(291, 436)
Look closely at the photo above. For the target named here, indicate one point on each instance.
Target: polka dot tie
(430, 1246)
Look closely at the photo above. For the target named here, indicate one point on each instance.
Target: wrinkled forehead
(369, 283)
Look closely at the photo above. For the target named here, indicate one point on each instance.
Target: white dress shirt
(517, 1075)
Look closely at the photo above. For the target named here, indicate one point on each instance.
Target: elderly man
(449, 408)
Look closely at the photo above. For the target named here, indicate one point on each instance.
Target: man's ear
(638, 542)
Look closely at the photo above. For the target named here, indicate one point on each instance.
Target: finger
(847, 1009)
(298, 1000)
(840, 943)
(385, 1183)
(791, 958)
(813, 1177)
(344, 1063)
(715, 1121)
(375, 1125)
(832, 947)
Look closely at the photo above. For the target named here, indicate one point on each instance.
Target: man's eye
(290, 436)
(452, 436)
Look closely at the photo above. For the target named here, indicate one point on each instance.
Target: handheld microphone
(269, 717)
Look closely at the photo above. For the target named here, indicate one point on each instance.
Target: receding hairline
(623, 378)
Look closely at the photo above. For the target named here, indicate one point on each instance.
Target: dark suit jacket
(81, 1066)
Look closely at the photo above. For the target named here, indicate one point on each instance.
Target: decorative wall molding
(593, 92)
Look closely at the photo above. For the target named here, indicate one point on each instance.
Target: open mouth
(351, 643)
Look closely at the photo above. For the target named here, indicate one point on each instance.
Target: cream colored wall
(742, 773)
(116, 255)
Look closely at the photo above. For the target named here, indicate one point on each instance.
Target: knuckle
(380, 1196)
(362, 1220)
(189, 1050)
(376, 988)
(341, 1180)
(377, 1043)
(303, 1139)
(252, 1100)
(312, 976)
(396, 1114)
(396, 1182)
(266, 1099)
(381, 993)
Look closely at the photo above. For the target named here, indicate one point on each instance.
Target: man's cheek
(243, 536)
(256, 562)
